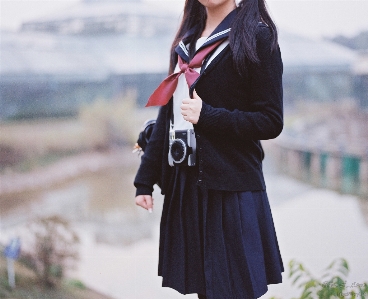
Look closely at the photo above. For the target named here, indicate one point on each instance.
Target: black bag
(144, 136)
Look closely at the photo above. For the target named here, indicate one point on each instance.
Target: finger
(195, 95)
(140, 201)
(184, 110)
(184, 107)
(188, 106)
(149, 203)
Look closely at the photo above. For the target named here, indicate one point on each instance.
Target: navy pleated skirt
(217, 243)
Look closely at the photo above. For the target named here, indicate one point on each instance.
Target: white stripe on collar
(182, 46)
(218, 34)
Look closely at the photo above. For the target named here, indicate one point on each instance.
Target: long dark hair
(242, 37)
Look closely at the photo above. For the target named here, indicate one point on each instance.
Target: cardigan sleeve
(264, 119)
(149, 171)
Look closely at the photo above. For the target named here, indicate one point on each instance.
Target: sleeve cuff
(143, 190)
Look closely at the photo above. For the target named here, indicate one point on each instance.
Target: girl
(217, 236)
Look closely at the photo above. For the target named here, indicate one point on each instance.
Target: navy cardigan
(237, 112)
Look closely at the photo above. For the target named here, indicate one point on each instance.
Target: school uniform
(217, 236)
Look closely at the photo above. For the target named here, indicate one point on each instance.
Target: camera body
(182, 147)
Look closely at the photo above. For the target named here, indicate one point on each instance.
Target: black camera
(144, 136)
(182, 148)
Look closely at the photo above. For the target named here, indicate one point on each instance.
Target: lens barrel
(178, 150)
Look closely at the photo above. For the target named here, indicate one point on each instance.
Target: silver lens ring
(178, 150)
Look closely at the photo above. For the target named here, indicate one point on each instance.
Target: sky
(313, 18)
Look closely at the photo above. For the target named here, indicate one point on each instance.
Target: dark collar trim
(221, 32)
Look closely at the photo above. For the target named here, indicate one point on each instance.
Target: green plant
(331, 285)
(76, 283)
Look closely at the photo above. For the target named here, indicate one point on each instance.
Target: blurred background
(74, 78)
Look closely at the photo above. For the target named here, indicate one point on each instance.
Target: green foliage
(4, 285)
(76, 283)
(331, 285)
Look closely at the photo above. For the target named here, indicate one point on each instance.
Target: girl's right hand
(145, 201)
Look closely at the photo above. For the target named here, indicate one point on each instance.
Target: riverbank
(65, 169)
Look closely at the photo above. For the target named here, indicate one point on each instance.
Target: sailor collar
(221, 32)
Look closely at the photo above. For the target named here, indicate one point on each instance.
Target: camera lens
(178, 150)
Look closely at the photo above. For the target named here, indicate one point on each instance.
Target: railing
(333, 169)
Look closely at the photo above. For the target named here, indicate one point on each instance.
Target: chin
(215, 3)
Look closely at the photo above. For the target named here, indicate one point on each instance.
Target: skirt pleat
(217, 243)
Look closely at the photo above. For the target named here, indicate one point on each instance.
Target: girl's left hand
(191, 108)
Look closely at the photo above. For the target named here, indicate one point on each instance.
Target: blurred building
(46, 74)
(101, 49)
(93, 17)
(98, 49)
(361, 78)
(316, 70)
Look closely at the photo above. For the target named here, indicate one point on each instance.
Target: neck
(215, 15)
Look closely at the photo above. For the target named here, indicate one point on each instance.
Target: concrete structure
(340, 171)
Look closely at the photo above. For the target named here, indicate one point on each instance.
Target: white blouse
(182, 90)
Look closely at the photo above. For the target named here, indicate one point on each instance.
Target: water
(103, 201)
